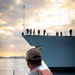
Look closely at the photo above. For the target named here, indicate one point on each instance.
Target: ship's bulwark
(58, 51)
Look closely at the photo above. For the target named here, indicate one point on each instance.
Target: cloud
(72, 22)
(34, 4)
(5, 5)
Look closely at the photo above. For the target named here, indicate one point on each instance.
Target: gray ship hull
(57, 51)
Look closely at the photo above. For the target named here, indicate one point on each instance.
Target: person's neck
(33, 67)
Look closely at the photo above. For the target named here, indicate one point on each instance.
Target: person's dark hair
(35, 62)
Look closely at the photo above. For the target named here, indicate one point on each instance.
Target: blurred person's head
(33, 58)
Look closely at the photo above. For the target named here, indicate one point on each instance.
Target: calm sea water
(8, 65)
(19, 65)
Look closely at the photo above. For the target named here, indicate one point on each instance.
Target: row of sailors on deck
(30, 31)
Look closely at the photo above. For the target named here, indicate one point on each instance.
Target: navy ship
(58, 51)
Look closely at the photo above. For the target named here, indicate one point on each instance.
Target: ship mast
(24, 17)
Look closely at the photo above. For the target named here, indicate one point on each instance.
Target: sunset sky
(52, 15)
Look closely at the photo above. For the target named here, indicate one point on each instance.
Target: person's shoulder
(34, 73)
